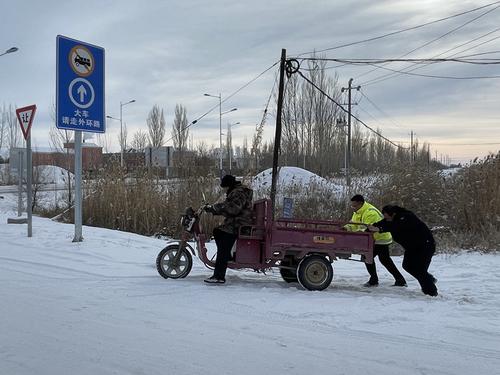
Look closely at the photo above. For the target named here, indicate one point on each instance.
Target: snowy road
(99, 307)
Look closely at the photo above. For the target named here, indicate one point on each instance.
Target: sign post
(79, 102)
(25, 117)
(20, 184)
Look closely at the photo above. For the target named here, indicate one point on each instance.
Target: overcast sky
(169, 52)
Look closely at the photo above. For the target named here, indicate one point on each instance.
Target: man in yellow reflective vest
(365, 213)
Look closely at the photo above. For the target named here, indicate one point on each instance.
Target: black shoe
(370, 283)
(214, 280)
(434, 280)
(400, 283)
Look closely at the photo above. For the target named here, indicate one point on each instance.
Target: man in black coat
(417, 240)
(237, 212)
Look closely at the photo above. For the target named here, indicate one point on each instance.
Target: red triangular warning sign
(25, 116)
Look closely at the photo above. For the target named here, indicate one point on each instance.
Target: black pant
(383, 255)
(225, 242)
(416, 262)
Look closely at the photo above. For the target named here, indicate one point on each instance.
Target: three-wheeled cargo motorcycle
(303, 250)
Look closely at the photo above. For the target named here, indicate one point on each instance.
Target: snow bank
(54, 175)
(293, 177)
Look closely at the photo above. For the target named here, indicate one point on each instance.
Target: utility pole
(277, 136)
(411, 147)
(349, 104)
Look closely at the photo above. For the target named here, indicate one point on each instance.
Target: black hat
(358, 198)
(227, 181)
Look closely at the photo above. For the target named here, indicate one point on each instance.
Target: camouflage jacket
(236, 209)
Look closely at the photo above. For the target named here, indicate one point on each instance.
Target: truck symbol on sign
(79, 60)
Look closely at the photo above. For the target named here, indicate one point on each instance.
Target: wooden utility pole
(277, 137)
(349, 105)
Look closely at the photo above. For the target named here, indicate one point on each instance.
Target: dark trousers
(225, 242)
(416, 263)
(383, 255)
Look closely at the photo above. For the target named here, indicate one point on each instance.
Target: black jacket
(237, 209)
(409, 231)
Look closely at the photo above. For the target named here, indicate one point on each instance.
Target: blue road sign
(80, 86)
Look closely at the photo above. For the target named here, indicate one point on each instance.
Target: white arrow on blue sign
(80, 86)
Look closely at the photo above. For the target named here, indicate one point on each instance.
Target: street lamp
(220, 127)
(121, 129)
(10, 50)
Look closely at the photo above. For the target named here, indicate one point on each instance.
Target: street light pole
(10, 50)
(121, 130)
(220, 127)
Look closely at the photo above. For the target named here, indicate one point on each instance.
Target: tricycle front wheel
(315, 272)
(174, 263)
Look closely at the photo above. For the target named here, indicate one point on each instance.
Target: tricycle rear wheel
(171, 266)
(315, 272)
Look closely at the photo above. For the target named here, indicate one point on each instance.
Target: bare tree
(156, 126)
(14, 130)
(3, 127)
(140, 140)
(180, 131)
(102, 139)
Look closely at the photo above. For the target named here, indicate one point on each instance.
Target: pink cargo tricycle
(303, 250)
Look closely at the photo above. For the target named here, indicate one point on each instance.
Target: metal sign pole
(20, 184)
(78, 187)
(29, 174)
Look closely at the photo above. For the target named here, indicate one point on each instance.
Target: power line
(439, 37)
(400, 31)
(483, 53)
(345, 110)
(379, 109)
(390, 75)
(432, 76)
(227, 98)
(373, 61)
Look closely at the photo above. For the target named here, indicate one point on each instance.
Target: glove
(209, 208)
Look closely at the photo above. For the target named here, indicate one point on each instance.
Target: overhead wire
(438, 38)
(379, 109)
(370, 61)
(345, 110)
(400, 31)
(391, 75)
(433, 76)
(227, 98)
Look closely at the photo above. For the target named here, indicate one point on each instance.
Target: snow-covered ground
(99, 307)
